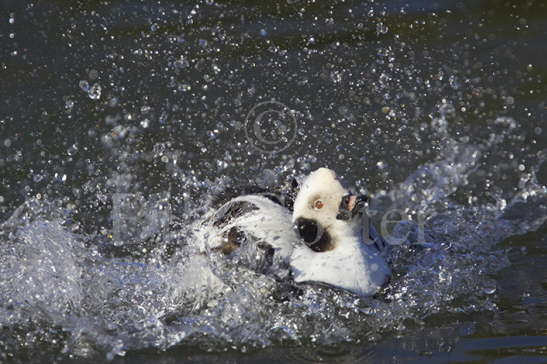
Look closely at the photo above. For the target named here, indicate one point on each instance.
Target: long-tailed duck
(318, 234)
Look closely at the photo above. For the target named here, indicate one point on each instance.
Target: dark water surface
(437, 108)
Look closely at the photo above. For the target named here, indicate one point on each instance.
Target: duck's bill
(350, 206)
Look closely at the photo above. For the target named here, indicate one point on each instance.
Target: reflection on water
(119, 121)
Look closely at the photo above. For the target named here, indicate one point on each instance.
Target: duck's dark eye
(318, 204)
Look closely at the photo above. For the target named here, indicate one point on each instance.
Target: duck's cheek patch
(309, 230)
(323, 244)
(313, 235)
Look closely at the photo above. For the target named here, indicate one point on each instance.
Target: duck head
(324, 212)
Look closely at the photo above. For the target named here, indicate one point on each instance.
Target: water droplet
(154, 27)
(163, 117)
(7, 143)
(454, 82)
(84, 85)
(184, 87)
(336, 76)
(502, 204)
(72, 150)
(95, 92)
(93, 74)
(182, 62)
(113, 102)
(381, 28)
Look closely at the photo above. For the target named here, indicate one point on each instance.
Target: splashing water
(78, 291)
(107, 182)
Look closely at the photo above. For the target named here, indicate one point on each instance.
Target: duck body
(315, 235)
(352, 267)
